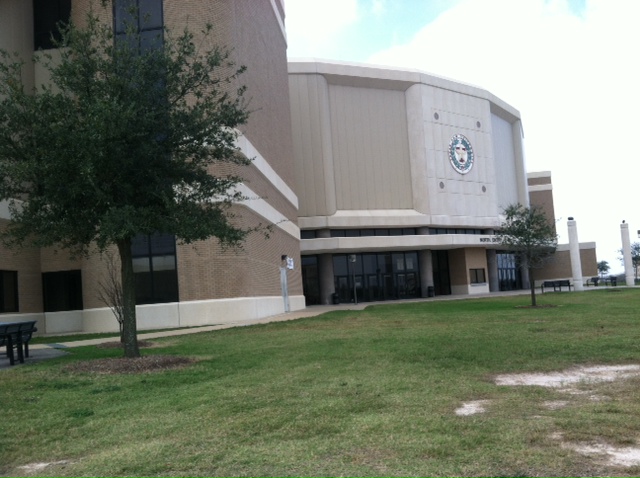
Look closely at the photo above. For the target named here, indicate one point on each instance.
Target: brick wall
(26, 261)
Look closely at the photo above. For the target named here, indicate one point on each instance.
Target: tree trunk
(532, 284)
(129, 330)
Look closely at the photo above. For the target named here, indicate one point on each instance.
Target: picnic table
(16, 335)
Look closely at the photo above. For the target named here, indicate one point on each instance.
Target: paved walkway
(39, 352)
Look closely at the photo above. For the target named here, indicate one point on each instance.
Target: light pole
(352, 259)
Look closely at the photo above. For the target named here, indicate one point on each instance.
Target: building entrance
(377, 276)
(509, 276)
(441, 278)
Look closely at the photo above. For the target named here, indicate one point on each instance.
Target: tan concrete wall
(589, 262)
(559, 265)
(458, 268)
(370, 148)
(460, 262)
(207, 271)
(544, 200)
(312, 146)
(16, 33)
(352, 126)
(26, 261)
(539, 181)
(476, 259)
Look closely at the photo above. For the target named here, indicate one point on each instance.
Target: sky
(568, 66)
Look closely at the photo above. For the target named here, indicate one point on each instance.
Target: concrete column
(574, 254)
(325, 273)
(626, 254)
(426, 271)
(492, 265)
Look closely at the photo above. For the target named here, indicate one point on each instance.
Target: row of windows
(144, 17)
(155, 271)
(406, 231)
(449, 230)
(313, 233)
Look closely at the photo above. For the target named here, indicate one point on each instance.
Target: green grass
(356, 393)
(54, 339)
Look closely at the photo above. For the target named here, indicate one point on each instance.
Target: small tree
(528, 232)
(603, 268)
(120, 143)
(110, 290)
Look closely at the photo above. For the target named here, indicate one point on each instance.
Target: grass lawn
(356, 393)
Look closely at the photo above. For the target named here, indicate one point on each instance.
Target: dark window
(477, 276)
(48, 15)
(154, 267)
(308, 234)
(62, 290)
(310, 280)
(509, 276)
(141, 17)
(8, 291)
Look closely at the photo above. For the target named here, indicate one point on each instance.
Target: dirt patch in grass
(119, 345)
(565, 381)
(35, 468)
(601, 373)
(472, 408)
(146, 364)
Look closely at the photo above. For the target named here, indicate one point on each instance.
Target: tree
(603, 268)
(110, 290)
(635, 258)
(528, 232)
(122, 142)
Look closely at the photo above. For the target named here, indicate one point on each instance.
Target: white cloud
(316, 25)
(572, 77)
(574, 81)
(379, 7)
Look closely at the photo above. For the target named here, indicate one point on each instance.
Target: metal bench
(16, 335)
(556, 284)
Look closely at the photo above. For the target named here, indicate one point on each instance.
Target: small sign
(290, 263)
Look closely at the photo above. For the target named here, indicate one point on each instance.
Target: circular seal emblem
(461, 154)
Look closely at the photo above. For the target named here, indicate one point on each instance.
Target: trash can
(431, 292)
(335, 298)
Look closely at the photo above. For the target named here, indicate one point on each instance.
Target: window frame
(477, 276)
(3, 301)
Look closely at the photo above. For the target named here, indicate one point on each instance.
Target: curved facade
(402, 178)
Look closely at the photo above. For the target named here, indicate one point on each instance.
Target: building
(378, 183)
(402, 178)
(541, 194)
(178, 285)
